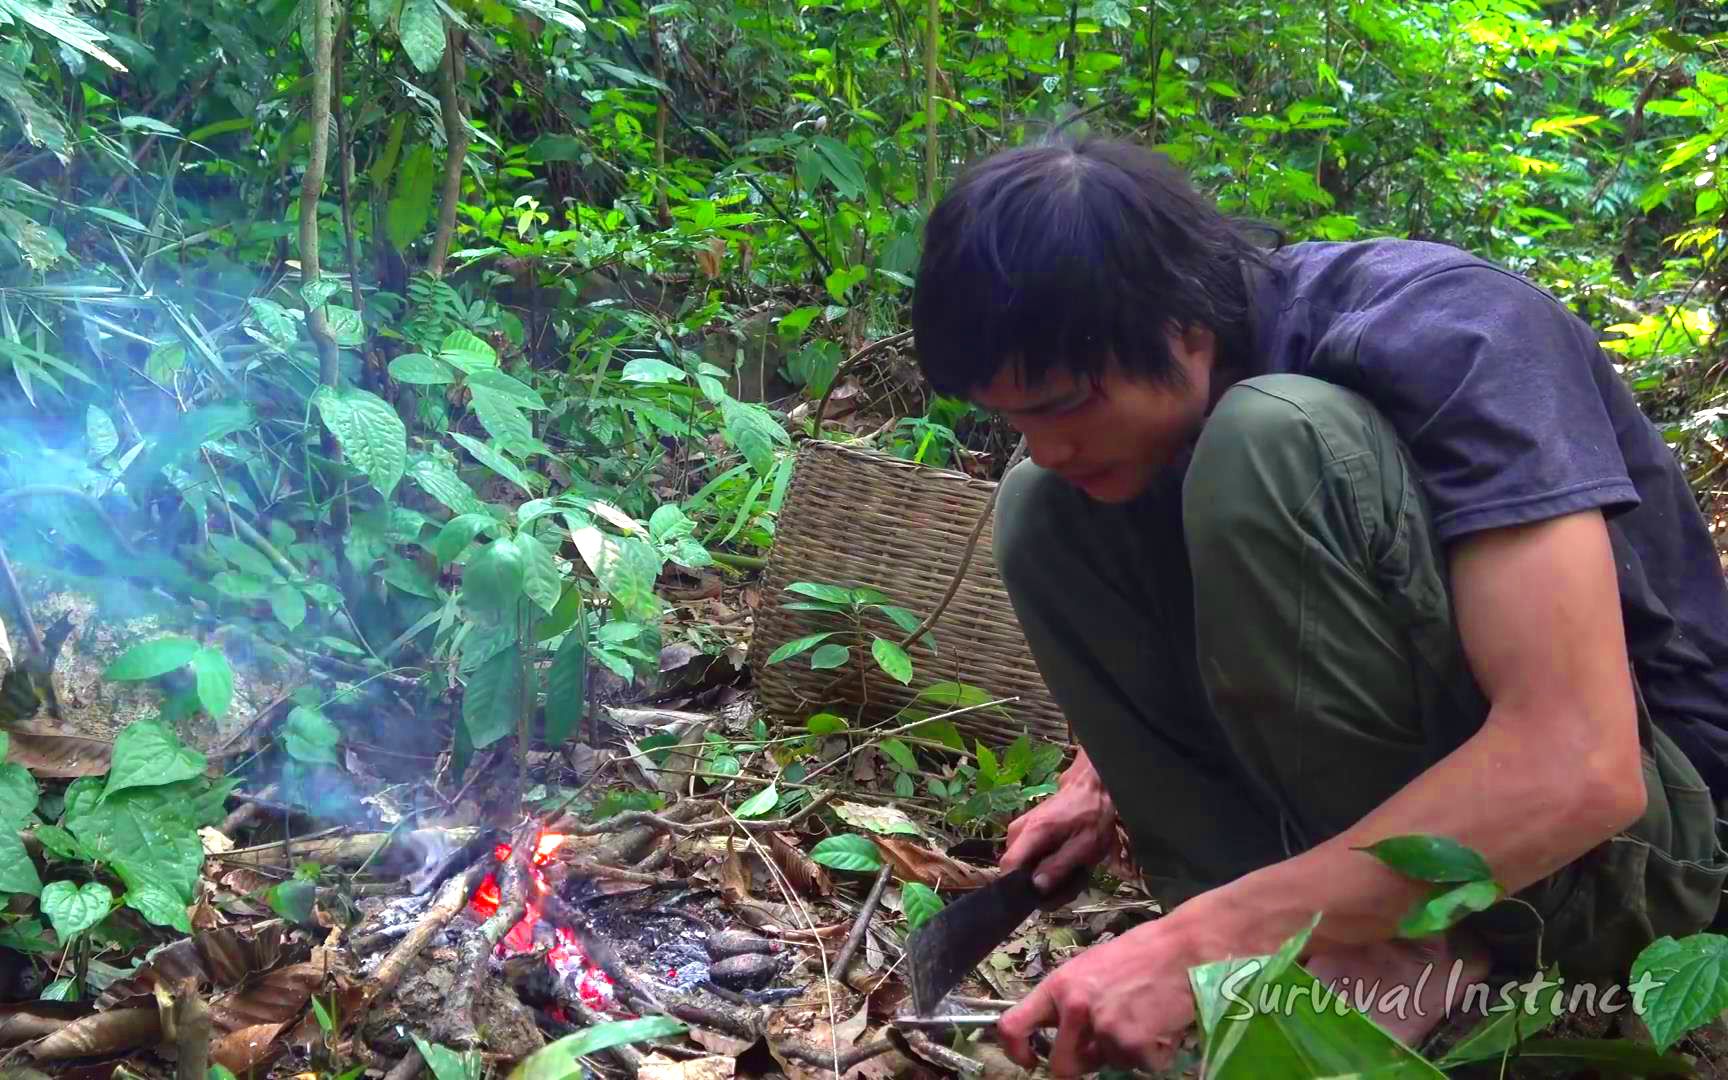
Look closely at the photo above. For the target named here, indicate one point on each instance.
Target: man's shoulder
(1354, 275)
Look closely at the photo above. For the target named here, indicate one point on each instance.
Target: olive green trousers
(1261, 650)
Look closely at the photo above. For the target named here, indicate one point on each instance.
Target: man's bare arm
(1554, 771)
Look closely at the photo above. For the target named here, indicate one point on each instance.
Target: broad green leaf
(560, 1060)
(373, 437)
(904, 619)
(900, 754)
(288, 604)
(1430, 858)
(73, 909)
(832, 594)
(243, 587)
(564, 616)
(467, 351)
(148, 754)
(245, 557)
(275, 319)
(310, 736)
(347, 327)
(495, 461)
(152, 658)
(158, 904)
(567, 686)
(492, 700)
(540, 580)
(410, 207)
(149, 835)
(1684, 984)
(1534, 1011)
(293, 899)
(825, 723)
(920, 903)
(215, 682)
(17, 871)
(509, 427)
(421, 27)
(1017, 760)
(760, 803)
(797, 645)
(1439, 913)
(57, 841)
(505, 388)
(441, 482)
(458, 533)
(752, 430)
(830, 656)
(18, 795)
(315, 292)
(945, 732)
(847, 851)
(988, 772)
(892, 659)
(420, 369)
(381, 14)
(649, 369)
(492, 579)
(99, 433)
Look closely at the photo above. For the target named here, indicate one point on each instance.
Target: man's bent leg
(1331, 661)
(1101, 593)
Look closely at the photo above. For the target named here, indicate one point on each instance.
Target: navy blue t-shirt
(1513, 413)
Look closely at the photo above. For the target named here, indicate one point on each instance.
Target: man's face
(1109, 438)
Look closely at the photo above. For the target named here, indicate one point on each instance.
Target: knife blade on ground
(957, 938)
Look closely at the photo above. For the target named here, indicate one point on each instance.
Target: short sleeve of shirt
(1498, 391)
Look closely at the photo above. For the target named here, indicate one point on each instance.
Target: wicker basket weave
(862, 518)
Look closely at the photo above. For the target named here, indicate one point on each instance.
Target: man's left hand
(1125, 1003)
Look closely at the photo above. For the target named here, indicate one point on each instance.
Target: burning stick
(514, 882)
(451, 899)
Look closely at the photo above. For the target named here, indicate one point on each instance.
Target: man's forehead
(1010, 390)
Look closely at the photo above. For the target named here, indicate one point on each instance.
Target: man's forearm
(1529, 809)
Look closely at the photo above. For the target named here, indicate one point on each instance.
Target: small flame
(546, 846)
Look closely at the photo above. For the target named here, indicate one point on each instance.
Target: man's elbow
(1609, 794)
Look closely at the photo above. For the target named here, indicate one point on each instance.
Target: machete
(941, 951)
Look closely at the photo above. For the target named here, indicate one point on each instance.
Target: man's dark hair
(1064, 254)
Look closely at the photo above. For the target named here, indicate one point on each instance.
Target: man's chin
(1117, 485)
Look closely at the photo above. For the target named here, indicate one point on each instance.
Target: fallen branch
(645, 819)
(514, 879)
(852, 1058)
(451, 899)
(861, 924)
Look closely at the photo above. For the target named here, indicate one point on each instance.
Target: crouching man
(1319, 544)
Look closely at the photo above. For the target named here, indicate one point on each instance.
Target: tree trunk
(456, 140)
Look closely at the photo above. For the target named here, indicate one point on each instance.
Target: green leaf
(148, 754)
(752, 430)
(1431, 858)
(825, 723)
(215, 682)
(648, 369)
(410, 205)
(507, 425)
(17, 871)
(493, 460)
(567, 687)
(158, 904)
(1440, 912)
(492, 579)
(492, 700)
(99, 433)
(245, 557)
(458, 533)
(152, 658)
(288, 604)
(900, 753)
(310, 736)
(920, 903)
(988, 772)
(1535, 1010)
(73, 909)
(942, 731)
(293, 899)
(890, 657)
(438, 480)
(421, 27)
(373, 437)
(831, 594)
(447, 1064)
(560, 1060)
(760, 803)
(904, 619)
(420, 369)
(504, 388)
(18, 795)
(847, 851)
(314, 292)
(830, 656)
(59, 842)
(1684, 982)
(467, 351)
(540, 580)
(797, 645)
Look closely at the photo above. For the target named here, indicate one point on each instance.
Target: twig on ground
(192, 1024)
(619, 873)
(848, 1061)
(643, 818)
(927, 1048)
(250, 805)
(721, 1020)
(861, 923)
(451, 899)
(628, 847)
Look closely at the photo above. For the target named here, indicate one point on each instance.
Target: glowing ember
(546, 845)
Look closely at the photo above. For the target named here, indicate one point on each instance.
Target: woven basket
(863, 518)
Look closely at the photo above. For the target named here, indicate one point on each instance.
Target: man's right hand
(1070, 830)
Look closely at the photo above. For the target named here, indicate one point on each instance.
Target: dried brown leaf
(658, 1066)
(102, 1033)
(246, 882)
(247, 1048)
(34, 1019)
(277, 998)
(806, 875)
(913, 862)
(221, 957)
(734, 877)
(718, 1041)
(48, 754)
